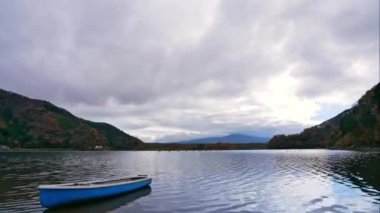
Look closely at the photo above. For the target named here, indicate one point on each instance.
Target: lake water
(203, 181)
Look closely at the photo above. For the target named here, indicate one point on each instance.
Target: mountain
(232, 138)
(355, 127)
(30, 123)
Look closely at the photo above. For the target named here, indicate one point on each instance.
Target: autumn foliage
(355, 127)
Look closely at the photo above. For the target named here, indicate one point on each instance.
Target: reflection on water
(208, 181)
(104, 205)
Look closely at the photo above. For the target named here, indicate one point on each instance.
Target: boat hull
(56, 197)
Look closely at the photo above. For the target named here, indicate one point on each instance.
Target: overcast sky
(174, 70)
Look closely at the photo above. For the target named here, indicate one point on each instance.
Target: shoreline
(361, 149)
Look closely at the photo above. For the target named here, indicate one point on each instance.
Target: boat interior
(140, 177)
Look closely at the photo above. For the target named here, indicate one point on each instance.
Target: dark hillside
(355, 127)
(29, 123)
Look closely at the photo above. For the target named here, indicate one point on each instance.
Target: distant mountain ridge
(355, 127)
(231, 138)
(30, 123)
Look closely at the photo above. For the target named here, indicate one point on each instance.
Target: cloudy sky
(173, 70)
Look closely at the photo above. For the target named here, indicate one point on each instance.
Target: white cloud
(172, 70)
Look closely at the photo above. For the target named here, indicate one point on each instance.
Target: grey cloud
(333, 36)
(151, 66)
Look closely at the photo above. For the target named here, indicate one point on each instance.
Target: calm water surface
(208, 181)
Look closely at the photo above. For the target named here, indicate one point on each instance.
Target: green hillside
(29, 123)
(355, 127)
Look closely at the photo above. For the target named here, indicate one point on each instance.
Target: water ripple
(225, 181)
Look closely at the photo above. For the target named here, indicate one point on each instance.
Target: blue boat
(52, 196)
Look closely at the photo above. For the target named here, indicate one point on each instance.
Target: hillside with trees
(353, 128)
(29, 123)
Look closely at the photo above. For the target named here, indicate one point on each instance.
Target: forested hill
(29, 123)
(355, 127)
